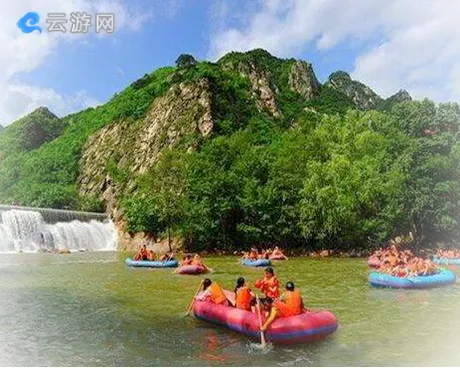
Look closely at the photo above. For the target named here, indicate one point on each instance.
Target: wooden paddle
(262, 336)
(193, 300)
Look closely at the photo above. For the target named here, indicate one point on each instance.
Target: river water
(89, 309)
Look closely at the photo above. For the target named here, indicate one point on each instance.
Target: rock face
(401, 96)
(363, 97)
(263, 88)
(132, 242)
(302, 79)
(134, 146)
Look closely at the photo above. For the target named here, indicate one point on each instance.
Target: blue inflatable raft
(258, 263)
(447, 261)
(443, 277)
(153, 264)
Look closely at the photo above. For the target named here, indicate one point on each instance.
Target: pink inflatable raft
(191, 270)
(373, 262)
(303, 328)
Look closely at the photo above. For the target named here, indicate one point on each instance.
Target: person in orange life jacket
(269, 285)
(212, 292)
(243, 295)
(292, 306)
(142, 255)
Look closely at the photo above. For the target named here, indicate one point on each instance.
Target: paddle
(262, 336)
(193, 300)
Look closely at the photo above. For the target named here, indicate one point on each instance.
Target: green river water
(89, 309)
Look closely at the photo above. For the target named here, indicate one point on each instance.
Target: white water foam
(26, 231)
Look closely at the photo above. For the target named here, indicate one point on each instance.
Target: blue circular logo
(28, 23)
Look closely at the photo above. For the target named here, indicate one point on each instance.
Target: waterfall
(28, 232)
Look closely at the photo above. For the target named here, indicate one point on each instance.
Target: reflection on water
(88, 309)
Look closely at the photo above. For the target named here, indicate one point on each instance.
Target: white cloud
(419, 51)
(21, 52)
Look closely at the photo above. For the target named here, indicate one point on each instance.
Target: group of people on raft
(145, 254)
(271, 306)
(448, 254)
(196, 260)
(254, 255)
(402, 263)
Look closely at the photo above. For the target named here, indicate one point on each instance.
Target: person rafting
(269, 285)
(142, 255)
(291, 306)
(198, 261)
(253, 254)
(278, 253)
(243, 295)
(212, 292)
(186, 260)
(151, 255)
(168, 256)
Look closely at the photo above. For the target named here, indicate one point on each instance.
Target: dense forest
(251, 149)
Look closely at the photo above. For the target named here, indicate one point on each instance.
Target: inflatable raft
(259, 263)
(152, 264)
(373, 262)
(443, 277)
(447, 261)
(191, 270)
(303, 328)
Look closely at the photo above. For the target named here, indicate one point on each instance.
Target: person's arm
(271, 318)
(205, 295)
(208, 268)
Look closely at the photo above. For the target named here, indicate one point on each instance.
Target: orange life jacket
(144, 254)
(243, 298)
(292, 306)
(217, 294)
(270, 287)
(294, 301)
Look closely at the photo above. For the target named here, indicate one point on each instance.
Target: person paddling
(269, 285)
(291, 306)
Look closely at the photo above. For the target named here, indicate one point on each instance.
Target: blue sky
(104, 66)
(380, 43)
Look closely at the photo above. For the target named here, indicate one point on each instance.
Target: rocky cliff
(184, 111)
(363, 97)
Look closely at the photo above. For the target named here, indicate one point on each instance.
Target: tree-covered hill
(250, 149)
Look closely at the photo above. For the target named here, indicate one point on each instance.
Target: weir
(52, 216)
(35, 229)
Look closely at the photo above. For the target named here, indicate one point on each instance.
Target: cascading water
(27, 231)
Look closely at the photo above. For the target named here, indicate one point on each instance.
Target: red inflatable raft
(191, 270)
(306, 327)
